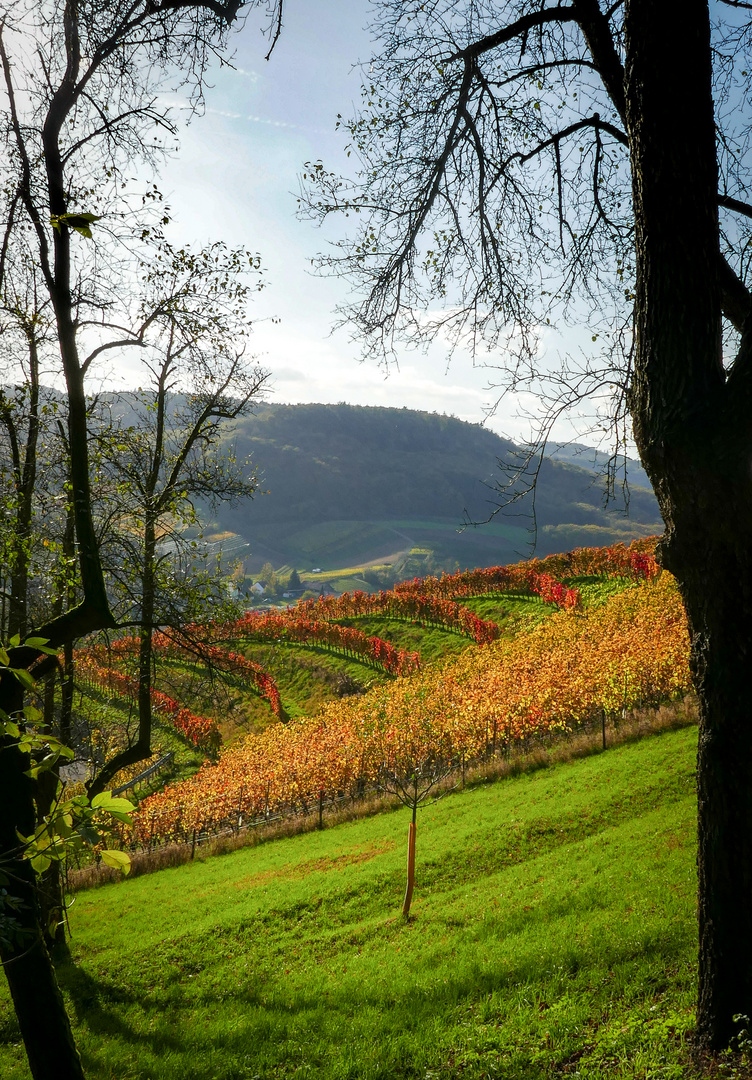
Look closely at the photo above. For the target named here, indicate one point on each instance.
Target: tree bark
(50, 893)
(39, 1005)
(141, 748)
(408, 899)
(691, 423)
(148, 591)
(25, 479)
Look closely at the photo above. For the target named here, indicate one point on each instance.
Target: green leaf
(40, 863)
(106, 801)
(118, 860)
(63, 826)
(24, 678)
(80, 222)
(41, 644)
(88, 835)
(48, 762)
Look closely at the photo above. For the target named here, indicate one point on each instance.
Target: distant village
(267, 589)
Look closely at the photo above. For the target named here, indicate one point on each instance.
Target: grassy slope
(553, 935)
(113, 715)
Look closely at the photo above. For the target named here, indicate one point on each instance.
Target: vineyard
(317, 624)
(583, 663)
(580, 665)
(322, 633)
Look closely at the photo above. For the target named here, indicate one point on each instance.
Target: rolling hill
(345, 485)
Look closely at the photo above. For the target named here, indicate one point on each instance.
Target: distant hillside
(351, 484)
(595, 461)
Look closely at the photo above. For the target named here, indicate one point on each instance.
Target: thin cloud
(252, 75)
(227, 115)
(284, 124)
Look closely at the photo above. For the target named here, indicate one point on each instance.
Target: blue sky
(235, 179)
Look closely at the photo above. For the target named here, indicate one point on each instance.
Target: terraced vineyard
(580, 639)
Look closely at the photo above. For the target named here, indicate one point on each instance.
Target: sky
(235, 179)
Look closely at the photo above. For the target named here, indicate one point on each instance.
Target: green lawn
(553, 935)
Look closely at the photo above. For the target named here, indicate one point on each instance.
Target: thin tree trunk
(145, 652)
(411, 854)
(410, 871)
(26, 473)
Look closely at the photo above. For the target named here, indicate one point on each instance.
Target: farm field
(342, 548)
(552, 934)
(308, 676)
(414, 476)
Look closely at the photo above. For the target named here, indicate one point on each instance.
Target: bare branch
(277, 28)
(520, 28)
(739, 207)
(25, 186)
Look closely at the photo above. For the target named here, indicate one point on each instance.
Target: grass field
(333, 545)
(553, 935)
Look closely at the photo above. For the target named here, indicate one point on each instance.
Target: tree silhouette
(81, 104)
(526, 163)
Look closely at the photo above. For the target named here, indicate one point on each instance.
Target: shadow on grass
(262, 1026)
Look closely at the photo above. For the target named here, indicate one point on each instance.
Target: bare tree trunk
(411, 854)
(39, 1005)
(722, 661)
(692, 427)
(410, 871)
(145, 652)
(50, 893)
(26, 473)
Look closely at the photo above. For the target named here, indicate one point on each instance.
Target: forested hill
(349, 483)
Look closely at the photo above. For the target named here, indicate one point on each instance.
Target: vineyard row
(564, 673)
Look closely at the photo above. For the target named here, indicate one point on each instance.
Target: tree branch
(600, 41)
(735, 297)
(277, 28)
(25, 186)
(120, 344)
(739, 207)
(593, 121)
(520, 28)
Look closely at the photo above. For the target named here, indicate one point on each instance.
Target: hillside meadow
(553, 934)
(414, 477)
